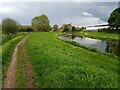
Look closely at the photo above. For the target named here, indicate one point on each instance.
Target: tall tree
(55, 27)
(41, 23)
(9, 26)
(73, 28)
(114, 19)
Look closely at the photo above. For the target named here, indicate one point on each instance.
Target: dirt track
(10, 81)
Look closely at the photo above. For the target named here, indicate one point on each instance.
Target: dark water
(110, 46)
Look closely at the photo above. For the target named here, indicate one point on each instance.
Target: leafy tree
(55, 27)
(25, 29)
(9, 26)
(41, 23)
(66, 28)
(73, 28)
(114, 19)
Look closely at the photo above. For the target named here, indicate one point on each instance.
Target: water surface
(111, 46)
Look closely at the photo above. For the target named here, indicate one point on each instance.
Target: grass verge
(7, 51)
(20, 74)
(103, 36)
(87, 48)
(0, 57)
(57, 64)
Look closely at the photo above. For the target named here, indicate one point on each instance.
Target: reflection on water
(113, 47)
(102, 46)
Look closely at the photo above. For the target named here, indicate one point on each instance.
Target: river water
(110, 46)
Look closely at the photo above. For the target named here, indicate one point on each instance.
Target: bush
(109, 30)
(26, 29)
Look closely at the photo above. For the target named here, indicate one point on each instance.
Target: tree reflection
(113, 47)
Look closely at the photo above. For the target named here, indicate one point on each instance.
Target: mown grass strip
(20, 74)
(103, 36)
(59, 64)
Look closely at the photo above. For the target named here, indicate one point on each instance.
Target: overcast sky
(59, 0)
(77, 13)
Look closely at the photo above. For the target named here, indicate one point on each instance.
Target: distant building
(95, 29)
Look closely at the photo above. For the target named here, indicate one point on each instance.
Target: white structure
(95, 28)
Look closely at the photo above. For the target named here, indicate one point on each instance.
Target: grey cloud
(60, 13)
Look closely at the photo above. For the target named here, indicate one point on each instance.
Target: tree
(9, 26)
(55, 27)
(73, 28)
(41, 23)
(114, 19)
(66, 28)
(26, 29)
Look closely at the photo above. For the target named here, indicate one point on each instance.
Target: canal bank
(103, 46)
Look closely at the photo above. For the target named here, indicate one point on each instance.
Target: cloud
(58, 1)
(79, 14)
(7, 10)
(87, 14)
(83, 20)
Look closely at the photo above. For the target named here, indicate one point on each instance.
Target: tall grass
(58, 64)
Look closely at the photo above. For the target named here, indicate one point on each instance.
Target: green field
(60, 65)
(104, 36)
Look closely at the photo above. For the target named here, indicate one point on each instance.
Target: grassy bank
(6, 38)
(7, 51)
(59, 64)
(87, 48)
(0, 66)
(103, 36)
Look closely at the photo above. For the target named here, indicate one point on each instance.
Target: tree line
(42, 23)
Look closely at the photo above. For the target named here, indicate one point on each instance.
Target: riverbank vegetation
(58, 64)
(102, 35)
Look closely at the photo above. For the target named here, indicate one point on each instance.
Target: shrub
(26, 29)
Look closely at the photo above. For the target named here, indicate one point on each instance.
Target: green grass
(20, 74)
(7, 51)
(104, 36)
(0, 66)
(59, 65)
(0, 57)
(6, 38)
(88, 48)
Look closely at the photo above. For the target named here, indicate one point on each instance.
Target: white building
(95, 28)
